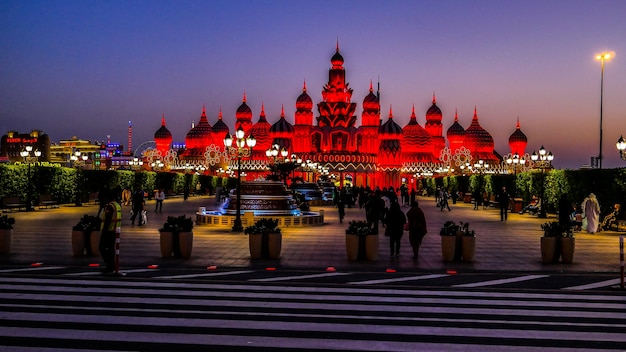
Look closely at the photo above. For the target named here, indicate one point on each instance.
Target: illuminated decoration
(621, 147)
(197, 139)
(13, 143)
(543, 161)
(375, 154)
(518, 141)
(130, 137)
(242, 149)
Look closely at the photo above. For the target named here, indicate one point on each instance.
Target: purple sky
(85, 68)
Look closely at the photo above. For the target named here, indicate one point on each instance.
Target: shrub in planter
(557, 241)
(448, 234)
(264, 239)
(361, 242)
(176, 237)
(86, 236)
(6, 232)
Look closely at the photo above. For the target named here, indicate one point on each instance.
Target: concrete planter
(548, 249)
(265, 245)
(361, 247)
(185, 243)
(167, 243)
(568, 245)
(468, 248)
(448, 248)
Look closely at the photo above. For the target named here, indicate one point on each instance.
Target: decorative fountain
(261, 199)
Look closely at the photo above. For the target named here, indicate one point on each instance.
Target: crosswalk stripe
(43, 313)
(501, 281)
(398, 279)
(298, 277)
(594, 285)
(96, 273)
(189, 276)
(31, 269)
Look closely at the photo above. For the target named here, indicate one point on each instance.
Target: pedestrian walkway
(59, 314)
(43, 236)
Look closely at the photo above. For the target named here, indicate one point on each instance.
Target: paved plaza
(43, 236)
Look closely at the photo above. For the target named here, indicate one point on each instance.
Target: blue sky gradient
(85, 68)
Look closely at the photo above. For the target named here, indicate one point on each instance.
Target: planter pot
(5, 241)
(255, 242)
(167, 243)
(548, 249)
(448, 248)
(567, 249)
(274, 245)
(185, 240)
(94, 239)
(371, 247)
(352, 247)
(78, 243)
(468, 248)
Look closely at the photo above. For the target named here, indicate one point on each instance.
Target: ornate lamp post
(243, 149)
(29, 160)
(621, 146)
(135, 164)
(514, 161)
(78, 159)
(602, 57)
(543, 160)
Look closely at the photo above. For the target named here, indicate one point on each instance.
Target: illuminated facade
(376, 154)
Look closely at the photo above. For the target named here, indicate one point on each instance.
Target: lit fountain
(261, 199)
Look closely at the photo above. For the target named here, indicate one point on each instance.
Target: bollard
(621, 261)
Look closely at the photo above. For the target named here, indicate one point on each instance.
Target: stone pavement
(44, 236)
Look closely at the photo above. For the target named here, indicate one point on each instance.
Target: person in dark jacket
(503, 201)
(417, 227)
(395, 228)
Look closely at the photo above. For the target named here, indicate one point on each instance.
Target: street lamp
(514, 161)
(29, 160)
(243, 149)
(77, 160)
(543, 160)
(602, 57)
(621, 146)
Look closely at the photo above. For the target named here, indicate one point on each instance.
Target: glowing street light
(25, 154)
(602, 57)
(621, 146)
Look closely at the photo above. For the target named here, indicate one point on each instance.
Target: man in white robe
(591, 209)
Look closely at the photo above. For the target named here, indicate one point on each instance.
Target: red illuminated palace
(378, 152)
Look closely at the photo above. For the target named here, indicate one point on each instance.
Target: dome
(414, 137)
(433, 113)
(371, 100)
(304, 101)
(219, 128)
(390, 127)
(518, 136)
(337, 59)
(200, 134)
(477, 139)
(261, 132)
(282, 126)
(243, 111)
(456, 131)
(163, 133)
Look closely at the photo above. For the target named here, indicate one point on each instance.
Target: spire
(456, 115)
(434, 98)
(163, 120)
(475, 114)
(337, 43)
(371, 87)
(282, 111)
(203, 112)
(517, 127)
(413, 117)
(390, 112)
(262, 116)
(378, 89)
(244, 96)
(304, 86)
(219, 116)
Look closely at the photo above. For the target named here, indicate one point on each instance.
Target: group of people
(396, 222)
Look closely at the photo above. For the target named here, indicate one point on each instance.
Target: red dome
(414, 137)
(518, 141)
(304, 101)
(390, 129)
(477, 140)
(163, 138)
(281, 127)
(220, 130)
(261, 132)
(201, 134)
(371, 100)
(337, 59)
(433, 114)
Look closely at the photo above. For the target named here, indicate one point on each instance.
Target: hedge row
(66, 184)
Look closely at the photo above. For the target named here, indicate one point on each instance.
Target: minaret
(130, 137)
(303, 122)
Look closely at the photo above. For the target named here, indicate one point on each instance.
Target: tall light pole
(543, 160)
(243, 149)
(29, 160)
(78, 159)
(602, 57)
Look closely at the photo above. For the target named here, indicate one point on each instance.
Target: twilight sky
(85, 68)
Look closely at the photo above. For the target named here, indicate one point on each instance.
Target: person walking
(417, 227)
(159, 196)
(591, 211)
(395, 228)
(503, 201)
(138, 203)
(110, 230)
(341, 205)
